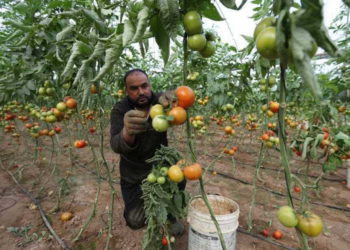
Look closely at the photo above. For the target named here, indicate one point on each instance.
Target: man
(135, 141)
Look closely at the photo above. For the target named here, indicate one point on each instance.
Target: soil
(55, 174)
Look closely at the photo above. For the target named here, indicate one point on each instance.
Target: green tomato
(266, 43)
(271, 80)
(66, 86)
(263, 24)
(61, 106)
(156, 110)
(160, 124)
(151, 178)
(161, 180)
(287, 216)
(41, 91)
(192, 23)
(164, 171)
(310, 224)
(208, 50)
(196, 42)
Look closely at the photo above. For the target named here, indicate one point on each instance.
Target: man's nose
(141, 92)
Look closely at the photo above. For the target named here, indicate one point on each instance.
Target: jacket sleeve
(117, 141)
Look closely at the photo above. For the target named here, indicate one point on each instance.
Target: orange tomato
(193, 172)
(179, 115)
(185, 96)
(71, 103)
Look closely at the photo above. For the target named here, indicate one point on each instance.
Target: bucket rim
(237, 211)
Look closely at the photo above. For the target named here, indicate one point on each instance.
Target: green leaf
(331, 164)
(347, 2)
(92, 16)
(311, 19)
(142, 24)
(313, 151)
(231, 4)
(209, 11)
(169, 15)
(301, 42)
(162, 38)
(18, 25)
(307, 141)
(112, 55)
(129, 32)
(65, 33)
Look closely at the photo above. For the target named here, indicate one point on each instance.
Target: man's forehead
(141, 78)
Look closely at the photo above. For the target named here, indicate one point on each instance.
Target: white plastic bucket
(346, 163)
(202, 231)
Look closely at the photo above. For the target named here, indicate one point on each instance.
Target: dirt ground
(21, 226)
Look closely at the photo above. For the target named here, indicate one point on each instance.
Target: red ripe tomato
(277, 234)
(80, 143)
(179, 115)
(193, 172)
(297, 189)
(325, 130)
(265, 232)
(164, 241)
(71, 103)
(274, 107)
(92, 130)
(234, 148)
(185, 96)
(58, 130)
(265, 137)
(326, 135)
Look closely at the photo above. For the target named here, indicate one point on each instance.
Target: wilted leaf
(128, 34)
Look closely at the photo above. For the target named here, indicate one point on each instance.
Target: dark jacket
(133, 168)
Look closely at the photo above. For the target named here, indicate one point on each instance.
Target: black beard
(138, 105)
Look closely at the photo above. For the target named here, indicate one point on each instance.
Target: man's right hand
(135, 121)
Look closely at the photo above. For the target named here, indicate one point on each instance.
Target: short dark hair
(131, 72)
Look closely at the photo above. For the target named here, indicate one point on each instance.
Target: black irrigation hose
(260, 237)
(280, 194)
(294, 172)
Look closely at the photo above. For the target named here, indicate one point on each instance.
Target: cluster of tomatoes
(192, 76)
(35, 131)
(175, 173)
(198, 123)
(291, 123)
(196, 40)
(265, 84)
(270, 109)
(307, 222)
(177, 115)
(203, 101)
(119, 94)
(270, 139)
(252, 123)
(46, 91)
(231, 151)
